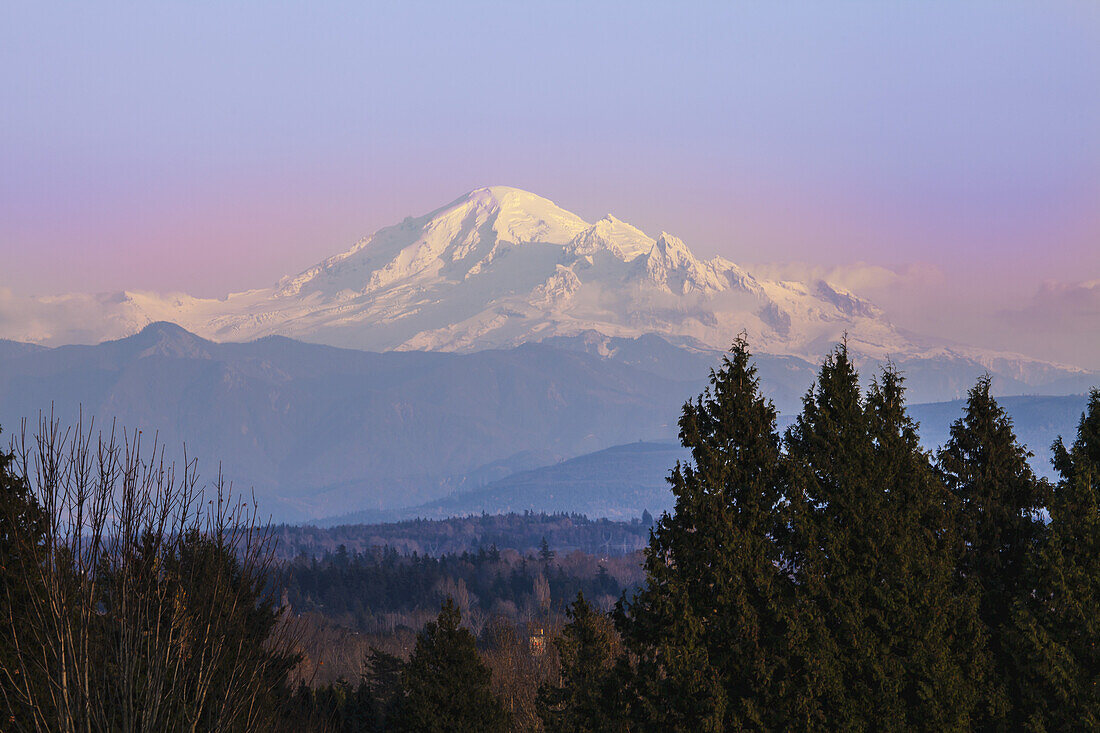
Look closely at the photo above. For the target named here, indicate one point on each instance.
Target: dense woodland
(380, 590)
(836, 576)
(524, 533)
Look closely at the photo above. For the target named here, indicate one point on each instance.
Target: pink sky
(209, 149)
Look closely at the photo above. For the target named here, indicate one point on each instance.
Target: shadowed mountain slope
(320, 431)
(317, 430)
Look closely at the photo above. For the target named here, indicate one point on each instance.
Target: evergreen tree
(382, 681)
(999, 503)
(937, 630)
(835, 553)
(446, 684)
(885, 638)
(708, 628)
(546, 555)
(585, 699)
(22, 533)
(1059, 638)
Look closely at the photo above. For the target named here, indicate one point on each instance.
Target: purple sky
(210, 148)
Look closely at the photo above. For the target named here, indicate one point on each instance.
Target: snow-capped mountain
(499, 267)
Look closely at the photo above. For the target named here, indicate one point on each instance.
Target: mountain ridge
(319, 430)
(315, 428)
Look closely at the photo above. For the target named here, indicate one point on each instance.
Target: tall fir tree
(1058, 649)
(709, 627)
(880, 614)
(446, 684)
(834, 550)
(1000, 501)
(587, 696)
(382, 682)
(937, 632)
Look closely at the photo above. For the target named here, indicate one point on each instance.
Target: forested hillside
(524, 532)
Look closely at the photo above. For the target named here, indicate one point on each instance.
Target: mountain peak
(158, 330)
(516, 215)
(609, 233)
(162, 338)
(673, 253)
(500, 194)
(500, 266)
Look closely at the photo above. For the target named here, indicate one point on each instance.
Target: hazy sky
(210, 148)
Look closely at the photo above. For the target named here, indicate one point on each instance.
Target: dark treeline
(834, 577)
(524, 533)
(379, 590)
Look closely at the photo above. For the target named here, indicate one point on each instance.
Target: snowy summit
(499, 267)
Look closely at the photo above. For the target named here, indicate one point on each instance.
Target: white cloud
(1057, 321)
(66, 319)
(1063, 303)
(1061, 320)
(860, 277)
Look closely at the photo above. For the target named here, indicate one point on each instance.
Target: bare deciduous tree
(149, 599)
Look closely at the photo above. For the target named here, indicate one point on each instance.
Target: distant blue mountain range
(319, 431)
